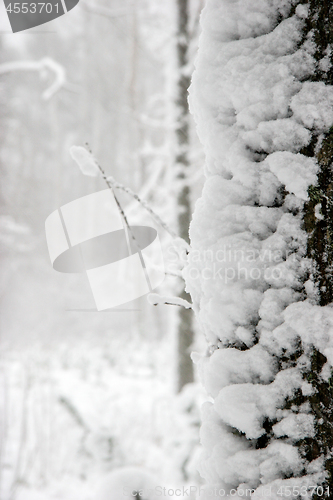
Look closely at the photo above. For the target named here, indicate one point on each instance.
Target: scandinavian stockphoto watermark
(230, 264)
(88, 235)
(27, 14)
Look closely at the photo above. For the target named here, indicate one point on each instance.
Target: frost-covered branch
(155, 300)
(90, 167)
(145, 205)
(43, 64)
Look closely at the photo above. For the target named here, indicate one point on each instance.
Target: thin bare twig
(127, 228)
(145, 205)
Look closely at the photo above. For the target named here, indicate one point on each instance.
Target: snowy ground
(72, 416)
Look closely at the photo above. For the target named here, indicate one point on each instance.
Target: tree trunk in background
(185, 334)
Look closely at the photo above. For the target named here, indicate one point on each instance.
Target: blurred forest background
(84, 393)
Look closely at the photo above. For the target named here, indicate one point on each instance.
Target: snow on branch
(155, 299)
(43, 64)
(84, 160)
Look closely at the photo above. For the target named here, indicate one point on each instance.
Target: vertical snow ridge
(247, 269)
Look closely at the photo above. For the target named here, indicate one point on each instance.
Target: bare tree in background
(185, 334)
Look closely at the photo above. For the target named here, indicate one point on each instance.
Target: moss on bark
(319, 26)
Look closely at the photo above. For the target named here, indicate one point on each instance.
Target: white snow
(296, 426)
(70, 400)
(313, 106)
(225, 367)
(85, 161)
(313, 324)
(126, 482)
(295, 171)
(155, 299)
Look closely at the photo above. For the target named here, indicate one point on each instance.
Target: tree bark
(320, 243)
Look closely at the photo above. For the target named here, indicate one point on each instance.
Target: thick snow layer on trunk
(247, 267)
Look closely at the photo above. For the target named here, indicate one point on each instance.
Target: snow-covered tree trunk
(260, 270)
